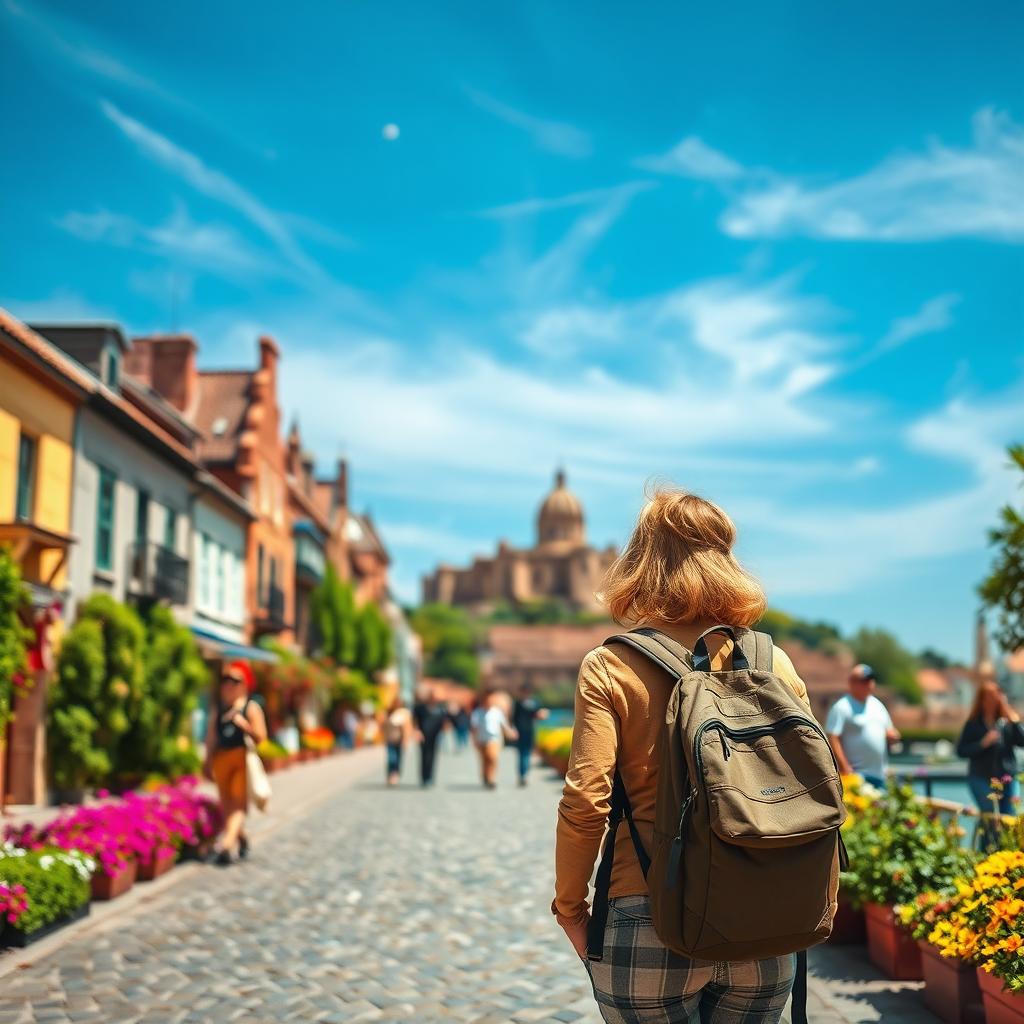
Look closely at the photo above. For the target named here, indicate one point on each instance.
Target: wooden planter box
(1000, 1007)
(275, 764)
(15, 938)
(198, 852)
(156, 866)
(950, 986)
(848, 926)
(109, 887)
(891, 947)
(306, 754)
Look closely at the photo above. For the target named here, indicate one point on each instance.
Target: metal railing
(158, 573)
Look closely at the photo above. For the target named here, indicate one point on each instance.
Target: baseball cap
(864, 672)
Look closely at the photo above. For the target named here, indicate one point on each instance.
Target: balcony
(270, 613)
(41, 554)
(158, 574)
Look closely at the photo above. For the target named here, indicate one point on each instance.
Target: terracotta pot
(560, 763)
(848, 926)
(109, 887)
(156, 866)
(306, 754)
(199, 852)
(950, 986)
(891, 947)
(1000, 1007)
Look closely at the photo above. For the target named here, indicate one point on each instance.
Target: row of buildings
(126, 468)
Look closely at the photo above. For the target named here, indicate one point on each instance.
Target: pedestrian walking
(430, 718)
(491, 728)
(860, 729)
(989, 739)
(460, 725)
(234, 719)
(526, 712)
(398, 728)
(678, 579)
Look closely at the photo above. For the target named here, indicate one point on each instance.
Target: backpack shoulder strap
(758, 648)
(660, 648)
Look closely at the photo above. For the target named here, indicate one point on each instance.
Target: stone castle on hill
(560, 566)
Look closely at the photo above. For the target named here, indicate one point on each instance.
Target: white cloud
(554, 136)
(563, 331)
(934, 315)
(694, 158)
(179, 239)
(533, 206)
(940, 192)
(213, 184)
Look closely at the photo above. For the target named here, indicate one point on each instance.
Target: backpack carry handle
(702, 659)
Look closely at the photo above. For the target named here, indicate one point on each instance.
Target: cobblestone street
(371, 905)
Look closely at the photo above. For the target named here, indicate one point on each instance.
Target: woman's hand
(239, 720)
(576, 932)
(992, 736)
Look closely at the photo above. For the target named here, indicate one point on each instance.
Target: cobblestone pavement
(374, 905)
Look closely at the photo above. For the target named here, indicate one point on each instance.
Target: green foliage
(912, 735)
(56, 883)
(98, 693)
(350, 688)
(1003, 590)
(544, 611)
(159, 741)
(814, 635)
(894, 665)
(13, 634)
(933, 659)
(374, 642)
(333, 610)
(898, 848)
(450, 640)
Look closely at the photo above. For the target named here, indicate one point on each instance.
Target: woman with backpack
(678, 576)
(398, 729)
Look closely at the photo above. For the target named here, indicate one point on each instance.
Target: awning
(213, 646)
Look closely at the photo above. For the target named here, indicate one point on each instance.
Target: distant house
(40, 393)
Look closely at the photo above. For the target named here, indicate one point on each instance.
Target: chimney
(341, 486)
(269, 354)
(167, 363)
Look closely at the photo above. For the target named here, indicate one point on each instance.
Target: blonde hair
(678, 566)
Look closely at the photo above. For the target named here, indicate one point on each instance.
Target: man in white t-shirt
(860, 729)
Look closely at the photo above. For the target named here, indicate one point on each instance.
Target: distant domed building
(561, 565)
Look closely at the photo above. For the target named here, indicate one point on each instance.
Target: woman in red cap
(235, 720)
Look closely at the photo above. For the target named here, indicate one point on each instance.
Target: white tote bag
(256, 777)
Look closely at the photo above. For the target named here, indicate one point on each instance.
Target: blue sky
(772, 253)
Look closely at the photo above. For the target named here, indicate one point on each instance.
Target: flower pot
(848, 926)
(306, 754)
(1001, 1007)
(14, 937)
(950, 986)
(891, 947)
(200, 851)
(109, 887)
(159, 864)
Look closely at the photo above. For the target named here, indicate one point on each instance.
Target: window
(205, 551)
(111, 367)
(171, 529)
(142, 517)
(105, 520)
(223, 567)
(26, 477)
(261, 557)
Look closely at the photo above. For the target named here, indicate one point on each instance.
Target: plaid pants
(639, 981)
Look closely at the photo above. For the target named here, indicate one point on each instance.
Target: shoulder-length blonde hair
(678, 566)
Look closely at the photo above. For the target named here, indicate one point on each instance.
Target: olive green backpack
(747, 850)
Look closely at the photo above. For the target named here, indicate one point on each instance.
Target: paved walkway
(367, 905)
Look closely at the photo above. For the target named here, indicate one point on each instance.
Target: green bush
(13, 634)
(450, 639)
(56, 882)
(900, 847)
(333, 613)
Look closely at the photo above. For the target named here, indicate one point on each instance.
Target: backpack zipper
(753, 732)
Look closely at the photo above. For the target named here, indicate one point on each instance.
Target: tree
(334, 618)
(450, 643)
(894, 665)
(13, 636)
(97, 693)
(1003, 590)
(159, 741)
(373, 640)
(933, 659)
(815, 635)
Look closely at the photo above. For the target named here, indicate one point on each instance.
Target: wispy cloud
(934, 315)
(941, 192)
(554, 136)
(213, 184)
(533, 206)
(694, 158)
(179, 239)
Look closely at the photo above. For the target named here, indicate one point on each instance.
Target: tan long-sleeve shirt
(621, 699)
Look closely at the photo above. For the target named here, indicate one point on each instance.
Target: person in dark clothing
(460, 722)
(430, 717)
(990, 735)
(526, 712)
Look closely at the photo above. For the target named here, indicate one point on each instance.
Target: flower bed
(39, 890)
(554, 746)
(274, 757)
(139, 831)
(318, 740)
